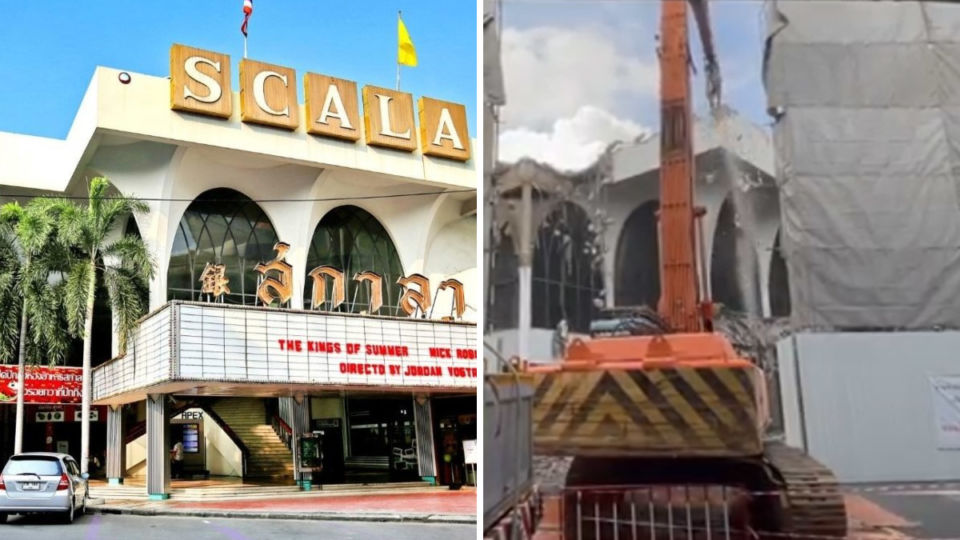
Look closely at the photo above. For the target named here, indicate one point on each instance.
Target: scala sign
(43, 384)
(200, 83)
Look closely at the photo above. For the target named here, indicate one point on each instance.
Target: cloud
(551, 72)
(573, 143)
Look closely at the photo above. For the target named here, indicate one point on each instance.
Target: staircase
(269, 457)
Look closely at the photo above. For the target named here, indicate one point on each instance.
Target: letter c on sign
(258, 96)
(190, 66)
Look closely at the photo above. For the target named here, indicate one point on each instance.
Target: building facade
(315, 273)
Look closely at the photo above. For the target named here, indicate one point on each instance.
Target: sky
(580, 74)
(49, 49)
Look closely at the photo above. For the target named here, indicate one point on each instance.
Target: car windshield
(44, 466)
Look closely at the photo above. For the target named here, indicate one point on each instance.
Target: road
(111, 527)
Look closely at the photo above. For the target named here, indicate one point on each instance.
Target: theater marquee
(200, 83)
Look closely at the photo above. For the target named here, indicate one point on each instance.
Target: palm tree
(124, 265)
(29, 256)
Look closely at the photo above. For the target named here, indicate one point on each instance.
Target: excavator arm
(701, 12)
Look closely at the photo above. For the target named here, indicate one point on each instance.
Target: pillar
(300, 424)
(158, 449)
(423, 420)
(116, 451)
(525, 273)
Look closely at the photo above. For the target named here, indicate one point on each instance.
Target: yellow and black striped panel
(701, 411)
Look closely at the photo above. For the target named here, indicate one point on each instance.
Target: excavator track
(814, 505)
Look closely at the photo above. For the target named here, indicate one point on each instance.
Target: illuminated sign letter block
(332, 108)
(414, 299)
(443, 129)
(459, 301)
(320, 275)
(376, 289)
(276, 289)
(268, 95)
(388, 118)
(200, 82)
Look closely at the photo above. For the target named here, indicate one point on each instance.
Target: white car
(41, 482)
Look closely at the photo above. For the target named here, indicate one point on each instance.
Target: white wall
(415, 224)
(863, 403)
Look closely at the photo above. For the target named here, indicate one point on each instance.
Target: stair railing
(244, 451)
(140, 428)
(283, 430)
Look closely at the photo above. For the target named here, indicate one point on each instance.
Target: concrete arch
(637, 258)
(566, 282)
(779, 281)
(236, 286)
(390, 281)
(734, 273)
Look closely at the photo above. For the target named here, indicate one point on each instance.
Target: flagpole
(244, 46)
(398, 59)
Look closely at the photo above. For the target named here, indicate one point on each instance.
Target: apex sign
(200, 83)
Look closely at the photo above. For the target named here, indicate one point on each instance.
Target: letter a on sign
(443, 129)
(332, 108)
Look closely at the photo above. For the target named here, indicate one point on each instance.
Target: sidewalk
(442, 506)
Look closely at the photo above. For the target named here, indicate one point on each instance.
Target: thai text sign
(946, 408)
(264, 345)
(43, 384)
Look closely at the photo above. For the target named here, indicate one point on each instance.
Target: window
(351, 240)
(221, 226)
(42, 465)
(566, 274)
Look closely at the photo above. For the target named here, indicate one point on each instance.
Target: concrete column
(116, 451)
(158, 449)
(300, 424)
(423, 421)
(525, 273)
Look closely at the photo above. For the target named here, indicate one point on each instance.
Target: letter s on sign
(190, 66)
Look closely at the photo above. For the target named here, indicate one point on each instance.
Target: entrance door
(455, 421)
(382, 440)
(331, 445)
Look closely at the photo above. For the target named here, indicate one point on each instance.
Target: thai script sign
(200, 83)
(276, 287)
(43, 384)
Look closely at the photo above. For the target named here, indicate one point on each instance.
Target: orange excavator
(664, 420)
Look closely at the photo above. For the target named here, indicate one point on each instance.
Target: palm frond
(76, 292)
(131, 253)
(122, 287)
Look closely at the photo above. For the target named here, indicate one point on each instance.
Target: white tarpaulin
(867, 142)
(946, 407)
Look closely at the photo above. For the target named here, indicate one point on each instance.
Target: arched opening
(566, 273)
(504, 285)
(221, 226)
(637, 264)
(350, 239)
(779, 285)
(734, 275)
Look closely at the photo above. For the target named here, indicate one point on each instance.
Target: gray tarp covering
(868, 160)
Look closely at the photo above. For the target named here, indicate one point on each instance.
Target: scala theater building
(312, 315)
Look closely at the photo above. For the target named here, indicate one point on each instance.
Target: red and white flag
(247, 11)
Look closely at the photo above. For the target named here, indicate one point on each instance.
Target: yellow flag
(406, 54)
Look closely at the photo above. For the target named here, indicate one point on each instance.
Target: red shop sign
(43, 384)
